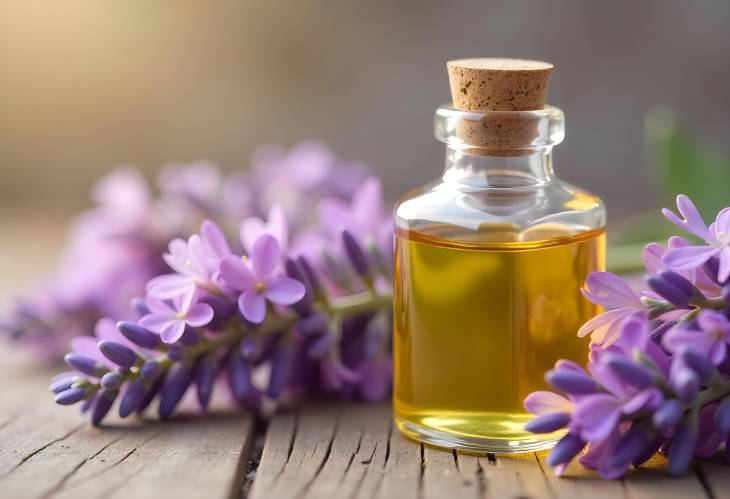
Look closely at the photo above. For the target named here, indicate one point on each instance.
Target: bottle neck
(531, 169)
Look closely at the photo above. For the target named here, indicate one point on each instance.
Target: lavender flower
(717, 238)
(260, 281)
(171, 319)
(297, 324)
(610, 291)
(658, 372)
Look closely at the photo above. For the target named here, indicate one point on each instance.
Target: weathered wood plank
(403, 470)
(508, 476)
(715, 477)
(650, 480)
(360, 431)
(48, 451)
(577, 482)
(310, 443)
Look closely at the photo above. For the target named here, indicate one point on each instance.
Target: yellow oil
(477, 324)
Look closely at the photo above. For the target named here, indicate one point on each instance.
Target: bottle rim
(519, 131)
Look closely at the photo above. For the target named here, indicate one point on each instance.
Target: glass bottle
(489, 263)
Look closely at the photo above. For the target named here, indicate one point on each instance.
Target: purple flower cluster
(116, 247)
(275, 316)
(658, 377)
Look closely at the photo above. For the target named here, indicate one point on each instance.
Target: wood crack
(25, 458)
(327, 453)
(702, 477)
(422, 471)
(352, 456)
(59, 485)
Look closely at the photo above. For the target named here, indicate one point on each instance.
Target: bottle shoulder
(465, 212)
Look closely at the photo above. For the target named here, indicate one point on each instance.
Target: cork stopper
(498, 85)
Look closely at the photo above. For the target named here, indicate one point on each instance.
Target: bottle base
(450, 440)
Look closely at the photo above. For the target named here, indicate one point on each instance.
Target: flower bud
(62, 384)
(222, 309)
(112, 380)
(175, 386)
(686, 384)
(672, 287)
(102, 404)
(294, 270)
(70, 396)
(629, 448)
(629, 371)
(205, 377)
(565, 450)
(132, 398)
(699, 364)
(121, 355)
(356, 254)
(138, 335)
(280, 371)
(570, 382)
(175, 352)
(682, 447)
(151, 393)
(239, 376)
(548, 423)
(312, 278)
(150, 369)
(667, 415)
(85, 365)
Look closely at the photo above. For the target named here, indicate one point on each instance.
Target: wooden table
(324, 451)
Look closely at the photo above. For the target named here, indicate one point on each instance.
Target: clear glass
(489, 262)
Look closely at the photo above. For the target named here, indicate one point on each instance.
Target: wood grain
(48, 451)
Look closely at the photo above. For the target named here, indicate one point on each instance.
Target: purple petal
(652, 256)
(678, 339)
(253, 306)
(597, 416)
(265, 257)
(213, 239)
(173, 332)
(157, 322)
(236, 273)
(688, 258)
(648, 399)
(692, 221)
(722, 221)
(170, 286)
(251, 229)
(602, 323)
(724, 271)
(609, 290)
(543, 402)
(199, 314)
(284, 290)
(712, 320)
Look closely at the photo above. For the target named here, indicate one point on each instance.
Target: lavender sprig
(262, 315)
(659, 371)
(116, 247)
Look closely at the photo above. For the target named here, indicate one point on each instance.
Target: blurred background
(87, 86)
